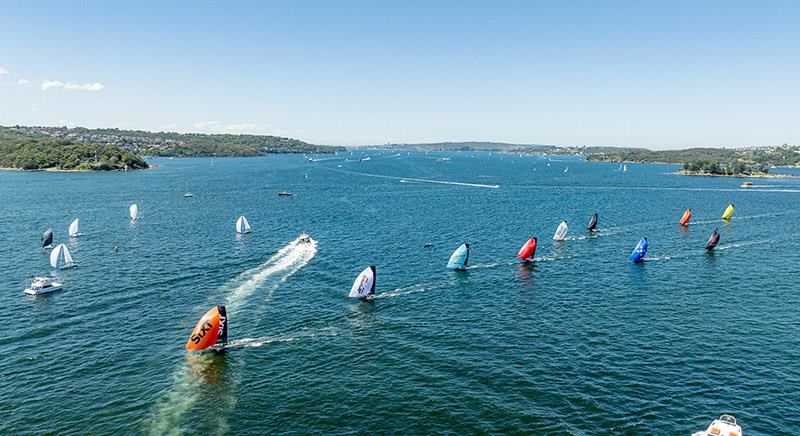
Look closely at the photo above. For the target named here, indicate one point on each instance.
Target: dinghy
(724, 426)
(459, 258)
(528, 250)
(211, 332)
(638, 253)
(713, 240)
(47, 238)
(242, 226)
(364, 286)
(134, 210)
(561, 231)
(685, 218)
(73, 229)
(592, 223)
(60, 257)
(728, 212)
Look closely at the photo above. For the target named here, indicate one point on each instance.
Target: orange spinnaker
(686, 217)
(527, 250)
(212, 329)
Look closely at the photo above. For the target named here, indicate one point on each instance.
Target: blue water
(580, 342)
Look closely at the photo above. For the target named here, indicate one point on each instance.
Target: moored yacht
(43, 285)
(724, 426)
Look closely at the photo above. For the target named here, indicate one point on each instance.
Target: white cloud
(47, 84)
(71, 86)
(3, 71)
(168, 127)
(236, 128)
(23, 82)
(84, 87)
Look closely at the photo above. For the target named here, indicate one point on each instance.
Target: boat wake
(739, 244)
(412, 180)
(596, 234)
(413, 289)
(276, 270)
(266, 340)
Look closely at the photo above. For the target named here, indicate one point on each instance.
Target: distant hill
(180, 144)
(469, 146)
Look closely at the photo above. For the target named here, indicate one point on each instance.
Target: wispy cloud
(71, 86)
(3, 71)
(236, 128)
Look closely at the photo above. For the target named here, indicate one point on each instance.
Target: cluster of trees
(733, 168)
(710, 160)
(29, 152)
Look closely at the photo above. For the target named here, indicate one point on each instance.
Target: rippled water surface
(580, 342)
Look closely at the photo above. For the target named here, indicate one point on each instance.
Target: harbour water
(582, 341)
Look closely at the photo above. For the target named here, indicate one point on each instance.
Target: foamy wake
(739, 244)
(266, 340)
(276, 270)
(412, 289)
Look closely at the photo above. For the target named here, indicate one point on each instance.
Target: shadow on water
(684, 230)
(459, 277)
(525, 270)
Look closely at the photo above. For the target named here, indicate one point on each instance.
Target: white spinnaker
(134, 211)
(364, 284)
(242, 225)
(561, 231)
(73, 228)
(67, 256)
(55, 255)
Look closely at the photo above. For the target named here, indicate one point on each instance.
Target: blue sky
(632, 73)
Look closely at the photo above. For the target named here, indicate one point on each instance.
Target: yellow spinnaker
(728, 212)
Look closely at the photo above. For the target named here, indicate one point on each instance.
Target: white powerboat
(304, 238)
(43, 285)
(724, 426)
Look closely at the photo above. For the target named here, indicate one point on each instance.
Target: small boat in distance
(211, 332)
(365, 158)
(43, 285)
(713, 240)
(304, 238)
(47, 238)
(561, 231)
(746, 185)
(73, 228)
(728, 212)
(459, 259)
(428, 245)
(684, 221)
(724, 426)
(285, 194)
(134, 211)
(442, 159)
(592, 226)
(60, 258)
(625, 168)
(528, 250)
(640, 251)
(188, 194)
(242, 225)
(364, 286)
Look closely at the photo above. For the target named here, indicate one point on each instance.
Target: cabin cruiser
(304, 238)
(724, 426)
(43, 285)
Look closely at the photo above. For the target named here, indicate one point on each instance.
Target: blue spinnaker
(639, 251)
(459, 258)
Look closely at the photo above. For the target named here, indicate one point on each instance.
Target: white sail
(134, 211)
(364, 284)
(242, 226)
(561, 231)
(60, 257)
(625, 168)
(73, 228)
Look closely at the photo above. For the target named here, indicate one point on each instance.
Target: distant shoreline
(738, 176)
(60, 170)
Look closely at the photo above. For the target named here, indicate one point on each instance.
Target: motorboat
(304, 238)
(724, 426)
(43, 285)
(285, 194)
(746, 185)
(188, 194)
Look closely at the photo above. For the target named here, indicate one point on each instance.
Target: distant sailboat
(459, 258)
(685, 218)
(566, 169)
(364, 286)
(592, 223)
(625, 168)
(528, 250)
(639, 252)
(713, 240)
(60, 257)
(728, 212)
(620, 167)
(47, 238)
(242, 225)
(211, 332)
(73, 228)
(134, 210)
(561, 231)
